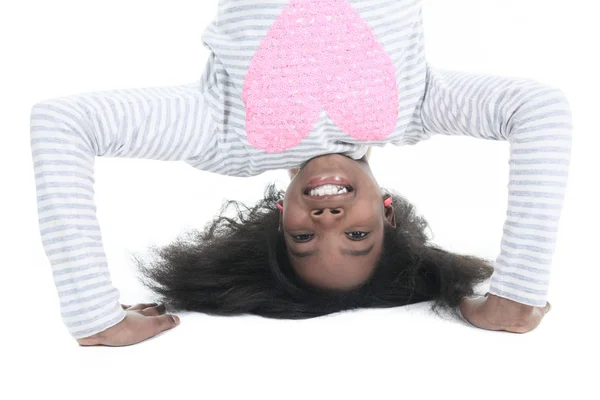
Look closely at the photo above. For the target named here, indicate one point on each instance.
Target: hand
(499, 314)
(141, 322)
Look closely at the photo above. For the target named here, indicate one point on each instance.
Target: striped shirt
(205, 125)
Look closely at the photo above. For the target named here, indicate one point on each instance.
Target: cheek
(291, 214)
(371, 210)
(292, 192)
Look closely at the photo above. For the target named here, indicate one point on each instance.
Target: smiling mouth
(328, 190)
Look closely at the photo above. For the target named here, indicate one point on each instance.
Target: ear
(390, 215)
(280, 202)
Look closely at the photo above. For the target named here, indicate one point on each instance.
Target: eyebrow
(355, 253)
(358, 253)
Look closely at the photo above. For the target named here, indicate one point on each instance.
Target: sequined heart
(319, 54)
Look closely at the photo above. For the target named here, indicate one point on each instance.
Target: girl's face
(334, 240)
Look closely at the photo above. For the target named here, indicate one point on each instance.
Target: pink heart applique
(319, 54)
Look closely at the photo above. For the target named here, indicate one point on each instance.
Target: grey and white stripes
(66, 135)
(536, 121)
(202, 124)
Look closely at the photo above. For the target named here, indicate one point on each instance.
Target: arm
(536, 122)
(66, 135)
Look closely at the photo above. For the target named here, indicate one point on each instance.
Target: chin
(363, 159)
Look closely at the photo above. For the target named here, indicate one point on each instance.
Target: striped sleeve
(536, 121)
(67, 133)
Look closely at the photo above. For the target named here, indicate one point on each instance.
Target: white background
(58, 47)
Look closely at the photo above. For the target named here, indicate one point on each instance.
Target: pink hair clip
(387, 202)
(280, 206)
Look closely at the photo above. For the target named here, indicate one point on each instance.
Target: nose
(327, 215)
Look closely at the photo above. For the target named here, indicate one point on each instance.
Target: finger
(153, 311)
(125, 306)
(141, 306)
(89, 341)
(164, 322)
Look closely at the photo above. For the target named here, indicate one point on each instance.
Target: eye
(357, 235)
(305, 237)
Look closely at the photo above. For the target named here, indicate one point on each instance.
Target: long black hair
(239, 265)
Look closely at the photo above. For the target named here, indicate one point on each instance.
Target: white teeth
(328, 190)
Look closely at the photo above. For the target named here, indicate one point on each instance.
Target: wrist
(509, 309)
(504, 302)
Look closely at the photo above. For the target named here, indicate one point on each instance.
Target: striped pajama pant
(174, 123)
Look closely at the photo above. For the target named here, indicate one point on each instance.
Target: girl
(306, 85)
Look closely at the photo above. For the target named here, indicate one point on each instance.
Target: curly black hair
(239, 265)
